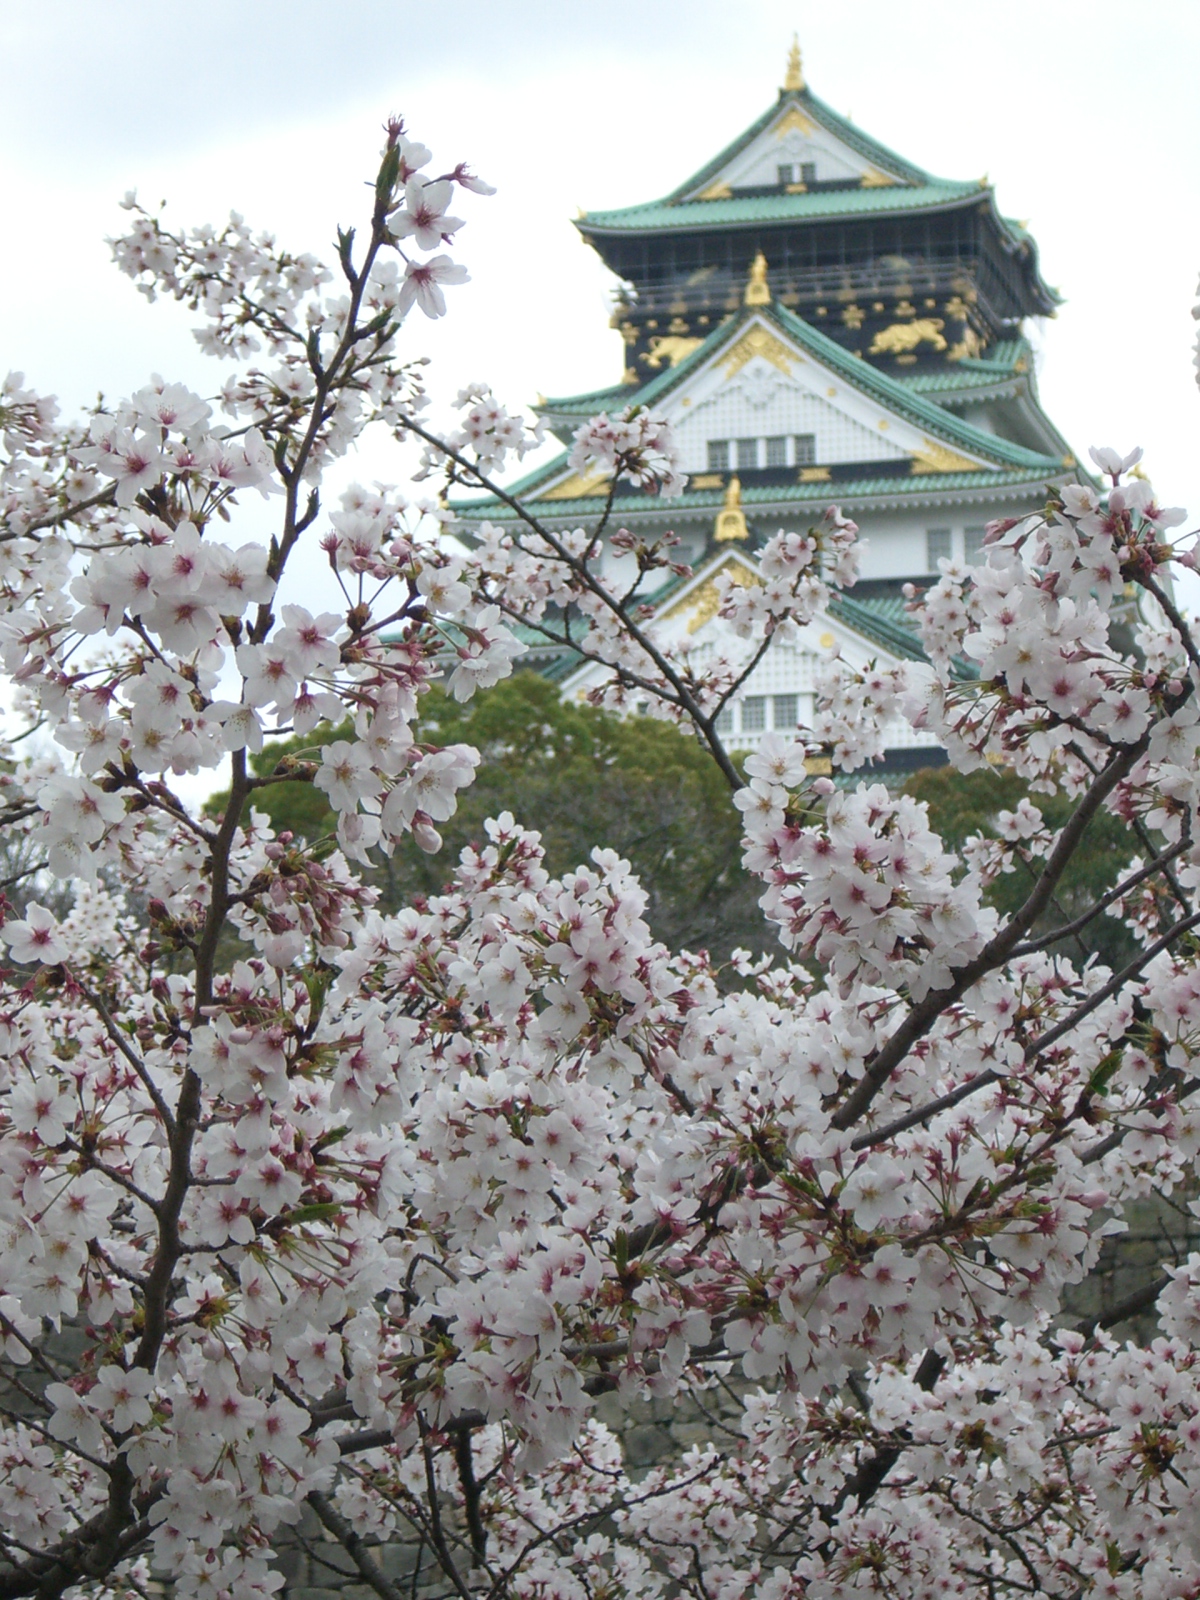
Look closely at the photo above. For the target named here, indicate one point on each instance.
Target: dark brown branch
(704, 724)
(436, 1530)
(1103, 903)
(1140, 1300)
(1035, 1047)
(871, 1473)
(368, 1568)
(466, 1477)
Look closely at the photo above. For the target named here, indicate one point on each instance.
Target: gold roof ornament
(757, 291)
(794, 77)
(731, 520)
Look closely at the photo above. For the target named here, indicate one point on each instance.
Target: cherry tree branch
(922, 1016)
(585, 575)
(368, 1568)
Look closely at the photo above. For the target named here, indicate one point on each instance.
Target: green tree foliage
(964, 804)
(641, 787)
(581, 777)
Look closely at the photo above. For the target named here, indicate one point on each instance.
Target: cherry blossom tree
(308, 1212)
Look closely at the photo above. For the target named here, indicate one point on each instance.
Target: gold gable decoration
(731, 520)
(793, 117)
(758, 291)
(937, 458)
(704, 602)
(759, 341)
(578, 487)
(707, 597)
(716, 191)
(872, 178)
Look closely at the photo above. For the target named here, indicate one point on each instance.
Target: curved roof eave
(757, 211)
(878, 494)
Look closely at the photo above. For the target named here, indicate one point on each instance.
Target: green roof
(879, 619)
(663, 215)
(913, 189)
(845, 492)
(1006, 361)
(588, 405)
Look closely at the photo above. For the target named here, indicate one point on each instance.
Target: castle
(822, 322)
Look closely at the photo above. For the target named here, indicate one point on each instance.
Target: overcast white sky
(1085, 116)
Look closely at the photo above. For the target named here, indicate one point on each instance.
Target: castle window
(718, 455)
(724, 721)
(786, 175)
(937, 547)
(973, 546)
(808, 172)
(787, 711)
(777, 452)
(806, 449)
(754, 713)
(747, 455)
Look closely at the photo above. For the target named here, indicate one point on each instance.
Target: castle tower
(821, 321)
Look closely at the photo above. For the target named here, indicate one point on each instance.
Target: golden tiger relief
(902, 336)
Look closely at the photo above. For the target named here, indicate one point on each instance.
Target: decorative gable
(799, 148)
(773, 404)
(795, 152)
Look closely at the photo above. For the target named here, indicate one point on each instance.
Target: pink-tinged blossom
(423, 282)
(423, 216)
(34, 937)
(345, 775)
(122, 1396)
(306, 641)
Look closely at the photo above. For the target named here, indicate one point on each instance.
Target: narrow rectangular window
(718, 455)
(786, 175)
(808, 172)
(806, 449)
(724, 722)
(754, 713)
(973, 546)
(937, 547)
(787, 711)
(777, 452)
(747, 455)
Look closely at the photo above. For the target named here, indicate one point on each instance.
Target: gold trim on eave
(578, 487)
(704, 601)
(716, 191)
(793, 117)
(936, 458)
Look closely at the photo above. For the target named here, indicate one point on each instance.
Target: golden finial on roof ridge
(794, 78)
(758, 292)
(731, 519)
